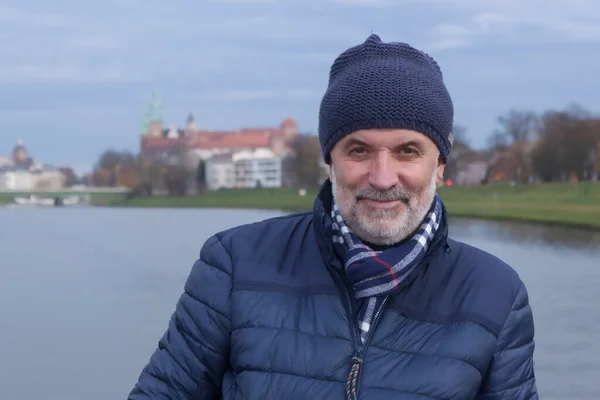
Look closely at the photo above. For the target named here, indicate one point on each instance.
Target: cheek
(418, 176)
(414, 176)
(347, 175)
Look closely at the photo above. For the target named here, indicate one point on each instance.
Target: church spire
(153, 115)
(155, 108)
(145, 124)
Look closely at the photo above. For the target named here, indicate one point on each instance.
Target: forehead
(385, 137)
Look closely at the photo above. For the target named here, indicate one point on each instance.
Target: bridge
(96, 195)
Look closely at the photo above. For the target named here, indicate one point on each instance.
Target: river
(85, 294)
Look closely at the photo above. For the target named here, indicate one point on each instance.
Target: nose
(382, 173)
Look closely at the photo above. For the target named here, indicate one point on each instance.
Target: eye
(409, 151)
(358, 150)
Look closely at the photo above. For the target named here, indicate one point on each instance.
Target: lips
(382, 204)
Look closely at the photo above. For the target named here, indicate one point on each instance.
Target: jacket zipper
(359, 348)
(357, 359)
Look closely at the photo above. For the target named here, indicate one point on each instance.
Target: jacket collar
(322, 225)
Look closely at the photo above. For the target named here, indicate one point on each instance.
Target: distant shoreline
(555, 204)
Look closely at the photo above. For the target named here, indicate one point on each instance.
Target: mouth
(382, 204)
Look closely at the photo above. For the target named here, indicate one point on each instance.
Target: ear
(440, 170)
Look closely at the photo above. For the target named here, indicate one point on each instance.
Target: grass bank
(556, 203)
(272, 199)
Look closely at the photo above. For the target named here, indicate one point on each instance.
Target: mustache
(392, 194)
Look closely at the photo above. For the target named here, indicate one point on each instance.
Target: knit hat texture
(385, 85)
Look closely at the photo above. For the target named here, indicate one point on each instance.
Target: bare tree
(497, 141)
(459, 133)
(304, 164)
(510, 144)
(518, 126)
(566, 143)
(460, 147)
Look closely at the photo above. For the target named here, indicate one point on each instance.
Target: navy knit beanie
(385, 85)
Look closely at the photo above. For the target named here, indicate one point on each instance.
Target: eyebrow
(359, 142)
(355, 141)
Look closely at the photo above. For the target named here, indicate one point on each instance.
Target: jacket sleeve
(511, 373)
(193, 354)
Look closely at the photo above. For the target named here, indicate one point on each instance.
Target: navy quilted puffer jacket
(267, 314)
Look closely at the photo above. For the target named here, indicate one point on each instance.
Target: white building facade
(220, 172)
(244, 169)
(22, 173)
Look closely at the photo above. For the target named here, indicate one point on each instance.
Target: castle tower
(290, 128)
(156, 117)
(145, 124)
(19, 153)
(190, 125)
(153, 118)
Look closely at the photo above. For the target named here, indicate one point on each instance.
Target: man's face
(384, 182)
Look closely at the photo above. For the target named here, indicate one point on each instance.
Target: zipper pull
(352, 383)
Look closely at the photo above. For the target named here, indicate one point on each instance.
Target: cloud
(247, 95)
(247, 1)
(94, 43)
(65, 73)
(518, 22)
(451, 36)
(19, 17)
(363, 3)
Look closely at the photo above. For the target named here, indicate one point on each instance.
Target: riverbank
(567, 204)
(97, 198)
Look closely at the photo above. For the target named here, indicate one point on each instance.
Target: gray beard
(384, 227)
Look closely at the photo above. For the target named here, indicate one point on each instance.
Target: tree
(70, 177)
(459, 133)
(518, 126)
(511, 143)
(109, 159)
(304, 164)
(566, 145)
(459, 148)
(201, 175)
(497, 141)
(175, 179)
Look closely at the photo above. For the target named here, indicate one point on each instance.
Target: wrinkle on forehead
(388, 137)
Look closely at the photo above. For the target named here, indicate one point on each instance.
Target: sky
(76, 77)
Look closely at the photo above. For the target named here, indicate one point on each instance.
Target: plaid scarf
(376, 274)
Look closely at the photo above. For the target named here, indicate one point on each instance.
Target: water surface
(85, 294)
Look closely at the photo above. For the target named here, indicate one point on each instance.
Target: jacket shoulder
(270, 227)
(260, 246)
(479, 284)
(468, 283)
(483, 266)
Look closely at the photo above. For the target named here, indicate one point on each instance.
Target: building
(220, 172)
(471, 173)
(260, 168)
(244, 169)
(12, 178)
(189, 145)
(23, 173)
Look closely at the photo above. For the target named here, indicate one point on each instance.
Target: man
(366, 296)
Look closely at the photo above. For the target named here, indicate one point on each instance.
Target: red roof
(241, 138)
(240, 132)
(229, 141)
(150, 142)
(289, 122)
